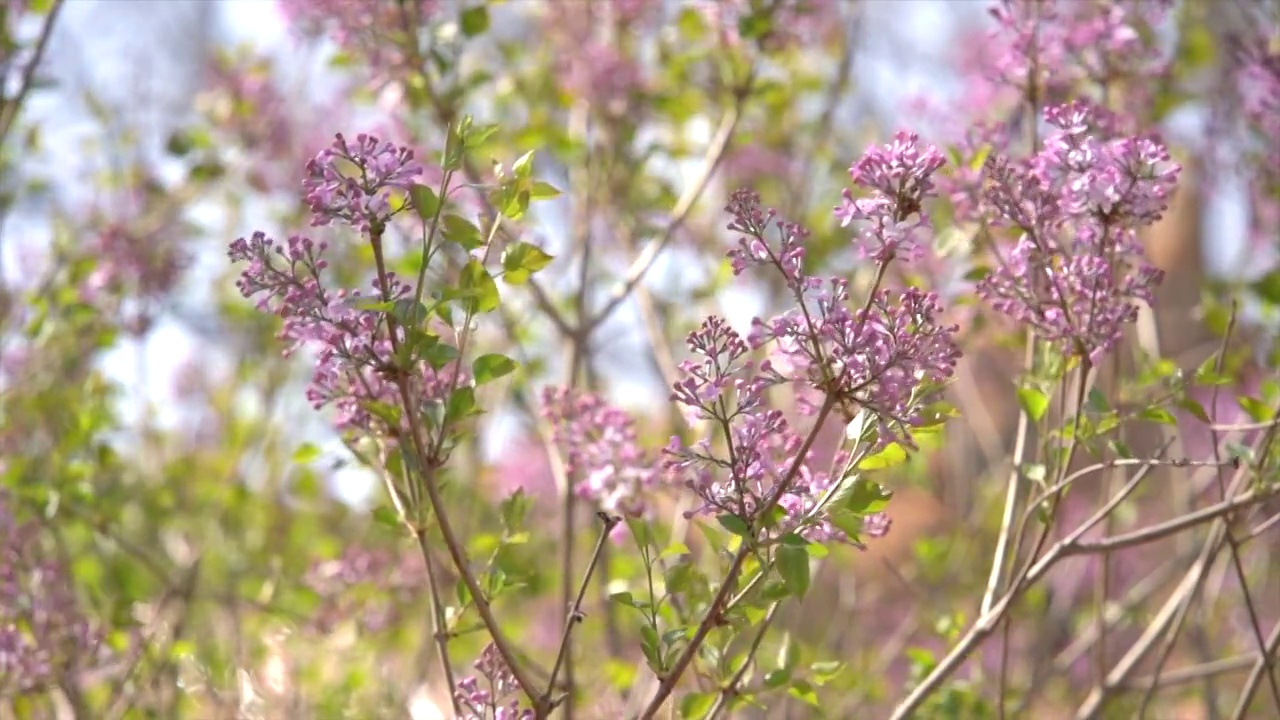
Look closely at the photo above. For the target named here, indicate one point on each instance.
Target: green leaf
(520, 260)
(475, 20)
(306, 454)
(1268, 287)
(788, 654)
(866, 497)
(793, 567)
(425, 201)
(1159, 415)
(462, 403)
(438, 355)
(1035, 472)
(492, 366)
(734, 524)
(649, 644)
(675, 549)
(892, 454)
(543, 191)
(523, 167)
(1195, 408)
(775, 679)
(679, 577)
(384, 515)
(802, 690)
(456, 228)
(1256, 409)
(695, 706)
(514, 509)
(826, 671)
(1034, 402)
(478, 288)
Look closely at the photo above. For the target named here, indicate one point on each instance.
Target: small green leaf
(1256, 409)
(793, 567)
(492, 366)
(543, 191)
(523, 167)
(892, 454)
(1159, 415)
(1268, 287)
(520, 260)
(514, 509)
(1035, 472)
(775, 679)
(734, 524)
(462, 403)
(475, 20)
(695, 706)
(675, 549)
(425, 201)
(460, 230)
(306, 454)
(1034, 402)
(478, 288)
(866, 497)
(1195, 408)
(649, 644)
(826, 671)
(802, 690)
(384, 515)
(438, 355)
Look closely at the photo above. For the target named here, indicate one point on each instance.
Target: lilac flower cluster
(381, 33)
(723, 386)
(354, 351)
(1257, 85)
(485, 696)
(886, 358)
(1057, 44)
(44, 634)
(395, 579)
(900, 176)
(792, 22)
(600, 449)
(356, 368)
(1077, 270)
(354, 183)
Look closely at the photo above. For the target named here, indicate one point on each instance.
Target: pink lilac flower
(601, 450)
(352, 344)
(1077, 271)
(1256, 71)
(791, 22)
(383, 34)
(44, 633)
(762, 451)
(354, 183)
(487, 695)
(397, 578)
(899, 176)
(602, 75)
(1058, 44)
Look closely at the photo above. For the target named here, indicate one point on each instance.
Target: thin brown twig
(684, 204)
(575, 610)
(13, 106)
(731, 689)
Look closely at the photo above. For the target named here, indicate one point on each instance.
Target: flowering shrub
(933, 445)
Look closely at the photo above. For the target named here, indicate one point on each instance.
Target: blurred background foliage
(189, 539)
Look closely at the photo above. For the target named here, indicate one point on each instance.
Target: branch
(647, 257)
(575, 611)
